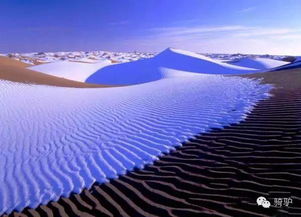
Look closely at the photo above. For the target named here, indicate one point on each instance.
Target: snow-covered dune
(55, 141)
(296, 64)
(76, 71)
(258, 63)
(13, 70)
(147, 70)
(58, 140)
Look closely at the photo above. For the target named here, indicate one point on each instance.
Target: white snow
(56, 140)
(258, 63)
(150, 69)
(76, 71)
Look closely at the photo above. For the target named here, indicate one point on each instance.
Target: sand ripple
(219, 173)
(55, 141)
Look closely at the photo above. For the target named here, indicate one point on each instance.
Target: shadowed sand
(218, 173)
(13, 70)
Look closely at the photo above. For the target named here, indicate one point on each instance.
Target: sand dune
(74, 137)
(294, 65)
(13, 70)
(258, 63)
(153, 69)
(219, 173)
(5, 61)
(77, 71)
(288, 79)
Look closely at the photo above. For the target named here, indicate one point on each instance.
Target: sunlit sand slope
(16, 71)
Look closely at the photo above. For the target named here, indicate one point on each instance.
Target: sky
(206, 26)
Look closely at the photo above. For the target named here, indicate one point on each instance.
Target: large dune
(153, 69)
(13, 70)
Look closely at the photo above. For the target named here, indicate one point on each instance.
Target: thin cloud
(221, 31)
(176, 31)
(288, 36)
(228, 39)
(119, 23)
(246, 10)
(260, 31)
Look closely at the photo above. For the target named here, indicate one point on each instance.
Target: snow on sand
(57, 140)
(76, 71)
(16, 71)
(150, 69)
(258, 63)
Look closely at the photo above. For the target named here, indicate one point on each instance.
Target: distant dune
(147, 70)
(294, 65)
(258, 63)
(13, 70)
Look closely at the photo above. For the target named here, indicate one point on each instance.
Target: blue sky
(223, 26)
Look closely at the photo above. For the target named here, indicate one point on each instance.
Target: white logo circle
(260, 200)
(266, 204)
